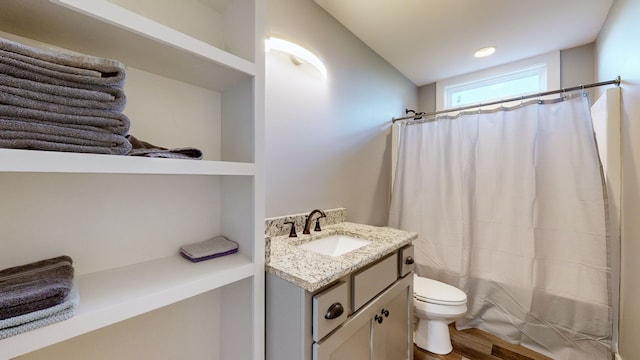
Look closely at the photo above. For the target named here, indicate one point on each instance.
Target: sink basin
(334, 245)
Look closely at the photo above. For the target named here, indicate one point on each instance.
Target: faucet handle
(322, 215)
(292, 232)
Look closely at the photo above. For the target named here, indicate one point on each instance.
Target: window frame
(548, 65)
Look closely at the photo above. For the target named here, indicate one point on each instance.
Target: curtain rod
(418, 116)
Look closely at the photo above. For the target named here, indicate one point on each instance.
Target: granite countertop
(312, 271)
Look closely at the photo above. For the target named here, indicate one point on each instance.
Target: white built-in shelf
(62, 162)
(231, 64)
(101, 28)
(108, 297)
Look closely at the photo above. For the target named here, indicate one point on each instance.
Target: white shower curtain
(509, 206)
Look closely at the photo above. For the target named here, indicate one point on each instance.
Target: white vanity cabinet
(377, 327)
(194, 78)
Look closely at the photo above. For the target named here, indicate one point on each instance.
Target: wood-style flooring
(474, 344)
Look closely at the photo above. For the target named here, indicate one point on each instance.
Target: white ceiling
(431, 40)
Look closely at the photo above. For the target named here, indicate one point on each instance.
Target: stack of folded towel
(36, 294)
(58, 100)
(209, 249)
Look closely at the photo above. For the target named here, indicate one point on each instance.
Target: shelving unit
(122, 219)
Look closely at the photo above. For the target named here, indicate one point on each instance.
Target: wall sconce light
(298, 54)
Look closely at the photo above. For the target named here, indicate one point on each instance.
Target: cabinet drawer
(371, 281)
(406, 263)
(329, 309)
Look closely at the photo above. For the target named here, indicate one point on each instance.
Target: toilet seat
(436, 292)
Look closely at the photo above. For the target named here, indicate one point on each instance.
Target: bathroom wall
(577, 65)
(617, 53)
(327, 140)
(427, 98)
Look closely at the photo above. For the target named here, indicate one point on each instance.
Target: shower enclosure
(517, 206)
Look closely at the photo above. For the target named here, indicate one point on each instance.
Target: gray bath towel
(209, 249)
(19, 134)
(114, 122)
(143, 148)
(33, 75)
(33, 320)
(62, 64)
(35, 286)
(106, 98)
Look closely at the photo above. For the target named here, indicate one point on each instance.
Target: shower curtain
(509, 207)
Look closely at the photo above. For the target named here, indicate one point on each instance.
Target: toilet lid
(436, 292)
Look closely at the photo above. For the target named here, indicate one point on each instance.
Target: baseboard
(618, 357)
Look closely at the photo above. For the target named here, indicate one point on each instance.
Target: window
(530, 76)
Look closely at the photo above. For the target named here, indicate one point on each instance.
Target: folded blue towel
(33, 320)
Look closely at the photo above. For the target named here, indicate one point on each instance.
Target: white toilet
(436, 305)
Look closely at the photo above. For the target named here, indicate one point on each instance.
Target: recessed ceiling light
(485, 51)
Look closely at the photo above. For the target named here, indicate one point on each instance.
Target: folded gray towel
(33, 320)
(106, 98)
(209, 249)
(20, 134)
(46, 55)
(114, 122)
(143, 148)
(35, 286)
(62, 64)
(32, 75)
(25, 108)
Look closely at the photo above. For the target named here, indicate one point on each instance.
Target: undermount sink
(334, 245)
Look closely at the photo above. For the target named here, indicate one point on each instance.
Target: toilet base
(433, 336)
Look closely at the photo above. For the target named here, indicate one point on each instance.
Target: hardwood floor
(474, 344)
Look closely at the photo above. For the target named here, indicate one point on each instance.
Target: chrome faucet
(307, 223)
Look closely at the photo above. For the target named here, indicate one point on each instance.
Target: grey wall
(577, 66)
(327, 141)
(427, 98)
(618, 53)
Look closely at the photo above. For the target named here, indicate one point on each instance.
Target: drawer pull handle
(385, 312)
(409, 260)
(334, 311)
(379, 319)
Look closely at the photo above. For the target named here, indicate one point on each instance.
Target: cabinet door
(390, 329)
(362, 337)
(354, 343)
